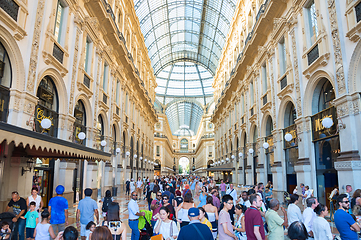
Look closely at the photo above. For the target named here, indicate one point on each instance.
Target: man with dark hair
(293, 211)
(85, 213)
(344, 222)
(243, 198)
(253, 219)
(19, 208)
(225, 226)
(274, 221)
(169, 194)
(309, 214)
(216, 201)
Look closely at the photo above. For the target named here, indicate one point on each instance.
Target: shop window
(80, 122)
(47, 106)
(311, 22)
(184, 145)
(5, 83)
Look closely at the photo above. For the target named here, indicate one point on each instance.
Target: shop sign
(41, 113)
(318, 130)
(4, 103)
(293, 131)
(45, 95)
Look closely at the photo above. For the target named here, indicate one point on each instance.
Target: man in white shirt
(233, 192)
(133, 210)
(244, 197)
(293, 211)
(309, 214)
(139, 187)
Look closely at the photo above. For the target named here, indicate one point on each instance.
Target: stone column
(304, 168)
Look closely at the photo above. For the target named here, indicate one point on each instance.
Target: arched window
(184, 145)
(80, 122)
(47, 106)
(327, 94)
(5, 83)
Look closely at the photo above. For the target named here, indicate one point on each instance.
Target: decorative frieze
(34, 55)
(340, 75)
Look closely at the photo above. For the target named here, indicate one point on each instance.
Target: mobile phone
(115, 224)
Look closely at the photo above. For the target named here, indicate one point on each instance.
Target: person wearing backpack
(106, 202)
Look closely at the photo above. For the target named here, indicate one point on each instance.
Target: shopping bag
(157, 237)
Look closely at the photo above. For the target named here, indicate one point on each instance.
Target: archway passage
(183, 166)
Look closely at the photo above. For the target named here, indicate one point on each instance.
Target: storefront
(291, 156)
(43, 178)
(326, 140)
(290, 146)
(5, 83)
(327, 149)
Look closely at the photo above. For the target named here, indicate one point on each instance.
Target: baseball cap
(59, 189)
(193, 212)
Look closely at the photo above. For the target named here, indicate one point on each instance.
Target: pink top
(155, 211)
(223, 187)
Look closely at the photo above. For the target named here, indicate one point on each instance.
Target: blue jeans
(19, 228)
(135, 231)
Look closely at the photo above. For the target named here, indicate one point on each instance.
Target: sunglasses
(159, 195)
(134, 195)
(346, 202)
(165, 199)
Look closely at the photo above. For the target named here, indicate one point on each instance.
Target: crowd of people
(186, 207)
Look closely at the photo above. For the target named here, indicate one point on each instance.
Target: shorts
(83, 230)
(30, 232)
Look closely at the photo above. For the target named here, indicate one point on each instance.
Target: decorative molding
(35, 46)
(296, 73)
(340, 74)
(348, 165)
(74, 71)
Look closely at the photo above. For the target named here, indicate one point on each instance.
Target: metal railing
(58, 53)
(86, 81)
(283, 82)
(313, 55)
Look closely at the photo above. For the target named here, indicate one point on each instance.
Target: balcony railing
(358, 12)
(265, 99)
(283, 82)
(117, 110)
(86, 81)
(313, 55)
(105, 98)
(11, 8)
(58, 53)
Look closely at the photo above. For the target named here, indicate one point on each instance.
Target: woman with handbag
(165, 226)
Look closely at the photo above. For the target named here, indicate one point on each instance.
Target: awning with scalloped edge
(34, 144)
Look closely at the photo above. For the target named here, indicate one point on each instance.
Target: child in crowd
(203, 219)
(5, 230)
(32, 219)
(44, 230)
(89, 230)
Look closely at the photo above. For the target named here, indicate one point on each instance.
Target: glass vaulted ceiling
(185, 39)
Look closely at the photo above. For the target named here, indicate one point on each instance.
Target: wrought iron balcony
(86, 81)
(265, 99)
(313, 55)
(105, 98)
(58, 53)
(283, 82)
